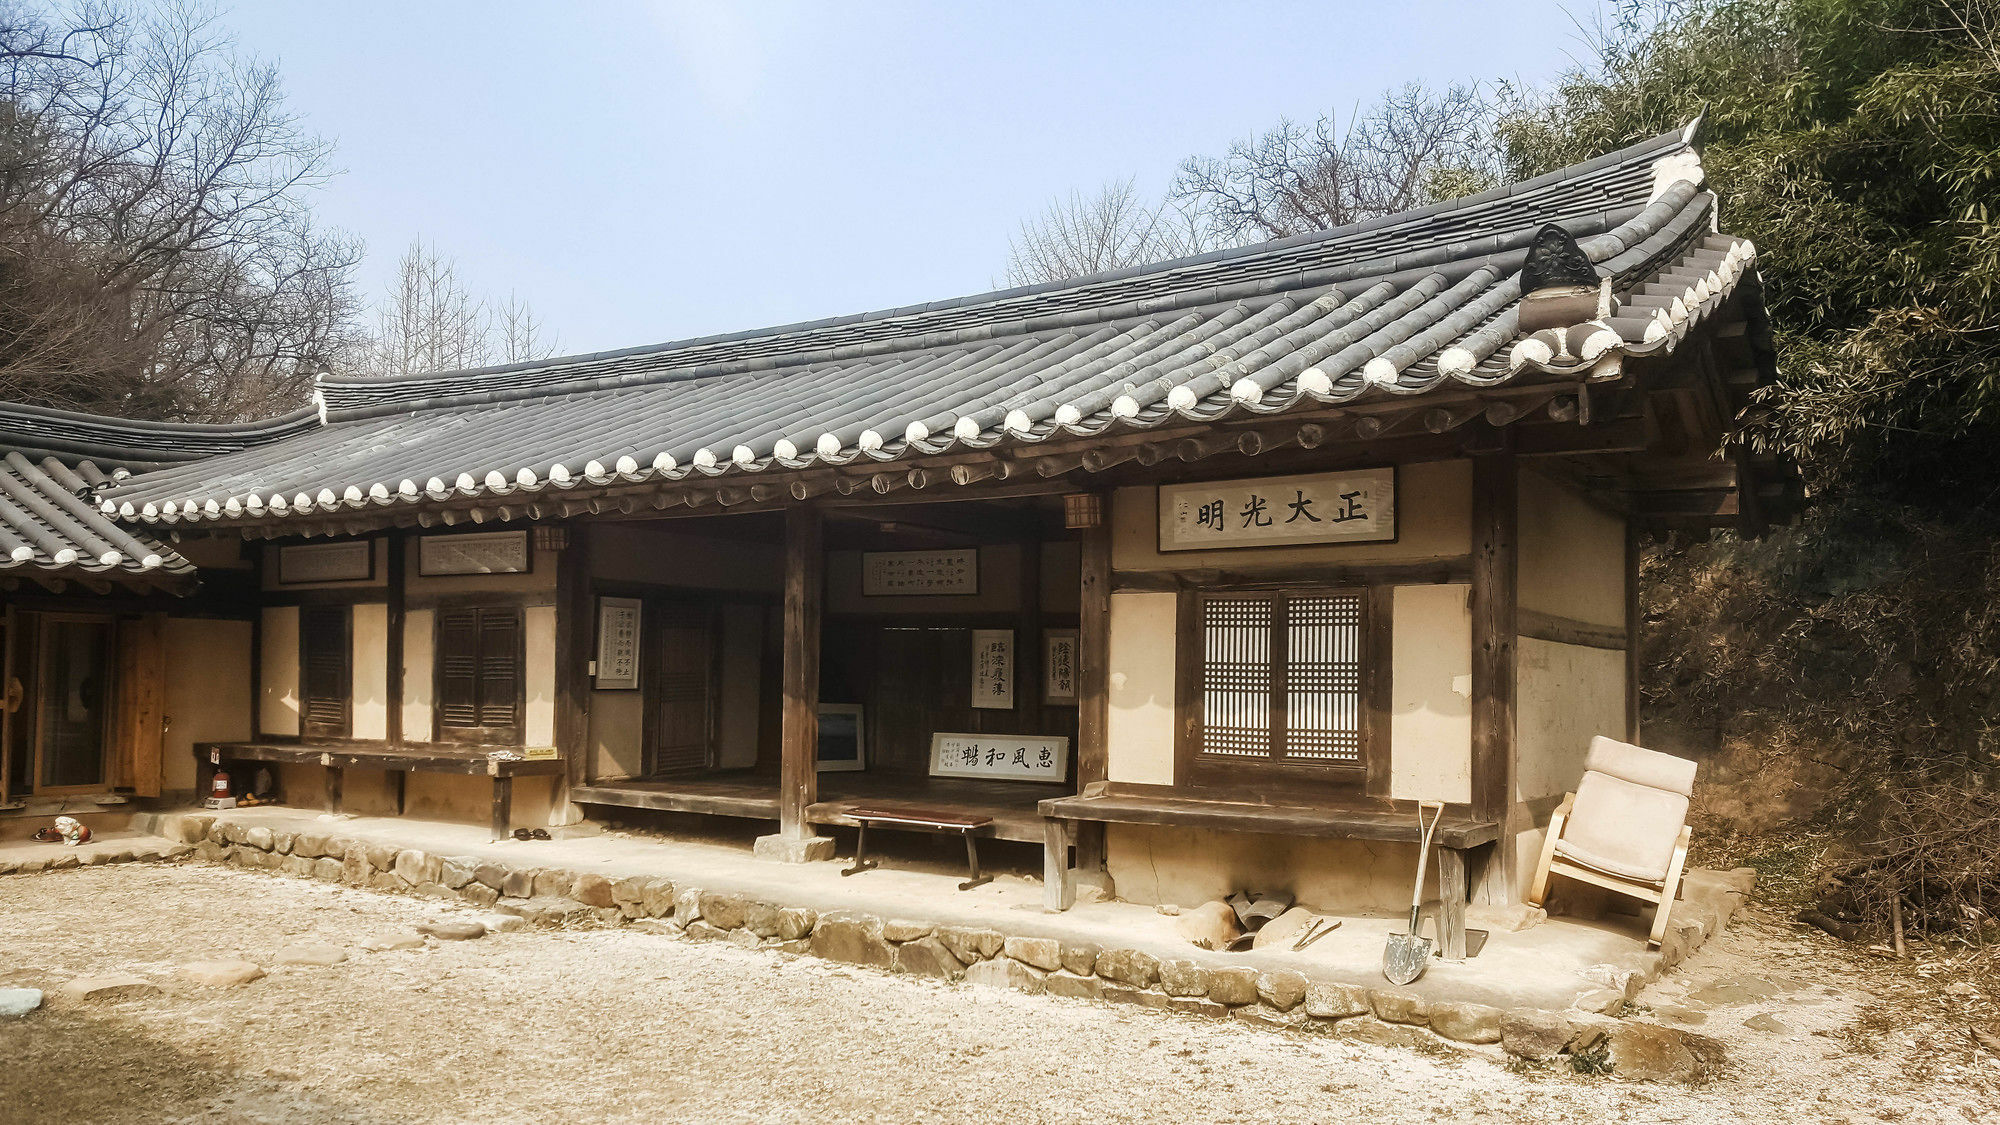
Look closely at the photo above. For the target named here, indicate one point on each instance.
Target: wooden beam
(798, 740)
(1568, 631)
(1495, 572)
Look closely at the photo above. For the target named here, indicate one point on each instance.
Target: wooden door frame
(480, 736)
(110, 692)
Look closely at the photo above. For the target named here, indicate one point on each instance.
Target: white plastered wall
(742, 657)
(1430, 691)
(1572, 569)
(369, 635)
(419, 647)
(278, 671)
(539, 675)
(207, 691)
(1141, 726)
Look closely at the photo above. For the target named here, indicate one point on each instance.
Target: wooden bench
(920, 820)
(1455, 836)
(501, 763)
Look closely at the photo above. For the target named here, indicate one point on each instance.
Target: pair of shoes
(531, 833)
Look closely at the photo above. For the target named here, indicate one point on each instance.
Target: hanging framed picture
(483, 552)
(842, 741)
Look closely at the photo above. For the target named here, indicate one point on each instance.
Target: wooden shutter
(458, 668)
(499, 667)
(479, 659)
(325, 680)
(1281, 677)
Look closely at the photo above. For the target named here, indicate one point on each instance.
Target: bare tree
(1414, 147)
(1076, 235)
(523, 336)
(157, 254)
(430, 321)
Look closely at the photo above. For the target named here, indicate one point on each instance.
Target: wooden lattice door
(682, 687)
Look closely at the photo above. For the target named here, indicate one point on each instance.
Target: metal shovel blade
(1405, 957)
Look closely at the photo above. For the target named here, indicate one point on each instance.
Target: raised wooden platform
(501, 763)
(1010, 805)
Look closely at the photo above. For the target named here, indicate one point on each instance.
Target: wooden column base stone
(780, 848)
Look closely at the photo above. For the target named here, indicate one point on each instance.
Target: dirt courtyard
(618, 1025)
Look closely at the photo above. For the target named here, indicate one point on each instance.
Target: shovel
(1407, 955)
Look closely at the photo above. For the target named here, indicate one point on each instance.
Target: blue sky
(642, 172)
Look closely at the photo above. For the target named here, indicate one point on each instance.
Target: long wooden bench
(1455, 836)
(501, 763)
(920, 820)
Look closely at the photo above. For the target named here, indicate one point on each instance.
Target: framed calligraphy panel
(617, 644)
(1357, 506)
(993, 669)
(1003, 757)
(1059, 666)
(486, 552)
(892, 574)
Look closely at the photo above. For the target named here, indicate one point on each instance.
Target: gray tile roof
(51, 529)
(1394, 307)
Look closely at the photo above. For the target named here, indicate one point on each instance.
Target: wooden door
(73, 693)
(140, 725)
(479, 675)
(683, 687)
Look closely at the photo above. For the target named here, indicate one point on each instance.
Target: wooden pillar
(576, 629)
(1093, 667)
(799, 732)
(9, 638)
(1633, 551)
(1495, 567)
(397, 673)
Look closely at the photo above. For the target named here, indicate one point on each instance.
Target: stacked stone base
(1037, 965)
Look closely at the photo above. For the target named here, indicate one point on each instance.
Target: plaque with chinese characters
(913, 573)
(1358, 506)
(1002, 757)
(1059, 666)
(489, 552)
(617, 644)
(993, 668)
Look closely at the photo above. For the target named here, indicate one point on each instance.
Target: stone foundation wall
(1038, 965)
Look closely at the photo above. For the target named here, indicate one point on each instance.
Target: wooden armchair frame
(1662, 894)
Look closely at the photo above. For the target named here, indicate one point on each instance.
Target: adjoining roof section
(1403, 306)
(133, 444)
(51, 530)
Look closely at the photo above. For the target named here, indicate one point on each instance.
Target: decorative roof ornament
(1565, 305)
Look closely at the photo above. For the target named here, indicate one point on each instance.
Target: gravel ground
(623, 1025)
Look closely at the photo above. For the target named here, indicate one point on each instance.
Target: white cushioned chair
(1624, 829)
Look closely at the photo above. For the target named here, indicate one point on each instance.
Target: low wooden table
(1455, 836)
(922, 820)
(501, 763)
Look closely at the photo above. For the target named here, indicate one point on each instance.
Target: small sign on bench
(1001, 757)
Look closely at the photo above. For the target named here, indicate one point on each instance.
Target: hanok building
(1199, 575)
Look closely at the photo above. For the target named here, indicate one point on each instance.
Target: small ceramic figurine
(73, 831)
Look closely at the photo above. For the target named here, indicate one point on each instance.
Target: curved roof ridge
(794, 342)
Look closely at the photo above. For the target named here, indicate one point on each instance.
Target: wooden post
(336, 778)
(1495, 566)
(1093, 666)
(394, 729)
(503, 805)
(798, 741)
(1451, 908)
(1058, 884)
(8, 638)
(1632, 555)
(576, 628)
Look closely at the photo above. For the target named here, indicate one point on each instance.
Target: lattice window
(1281, 677)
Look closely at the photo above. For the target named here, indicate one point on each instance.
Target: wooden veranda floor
(744, 793)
